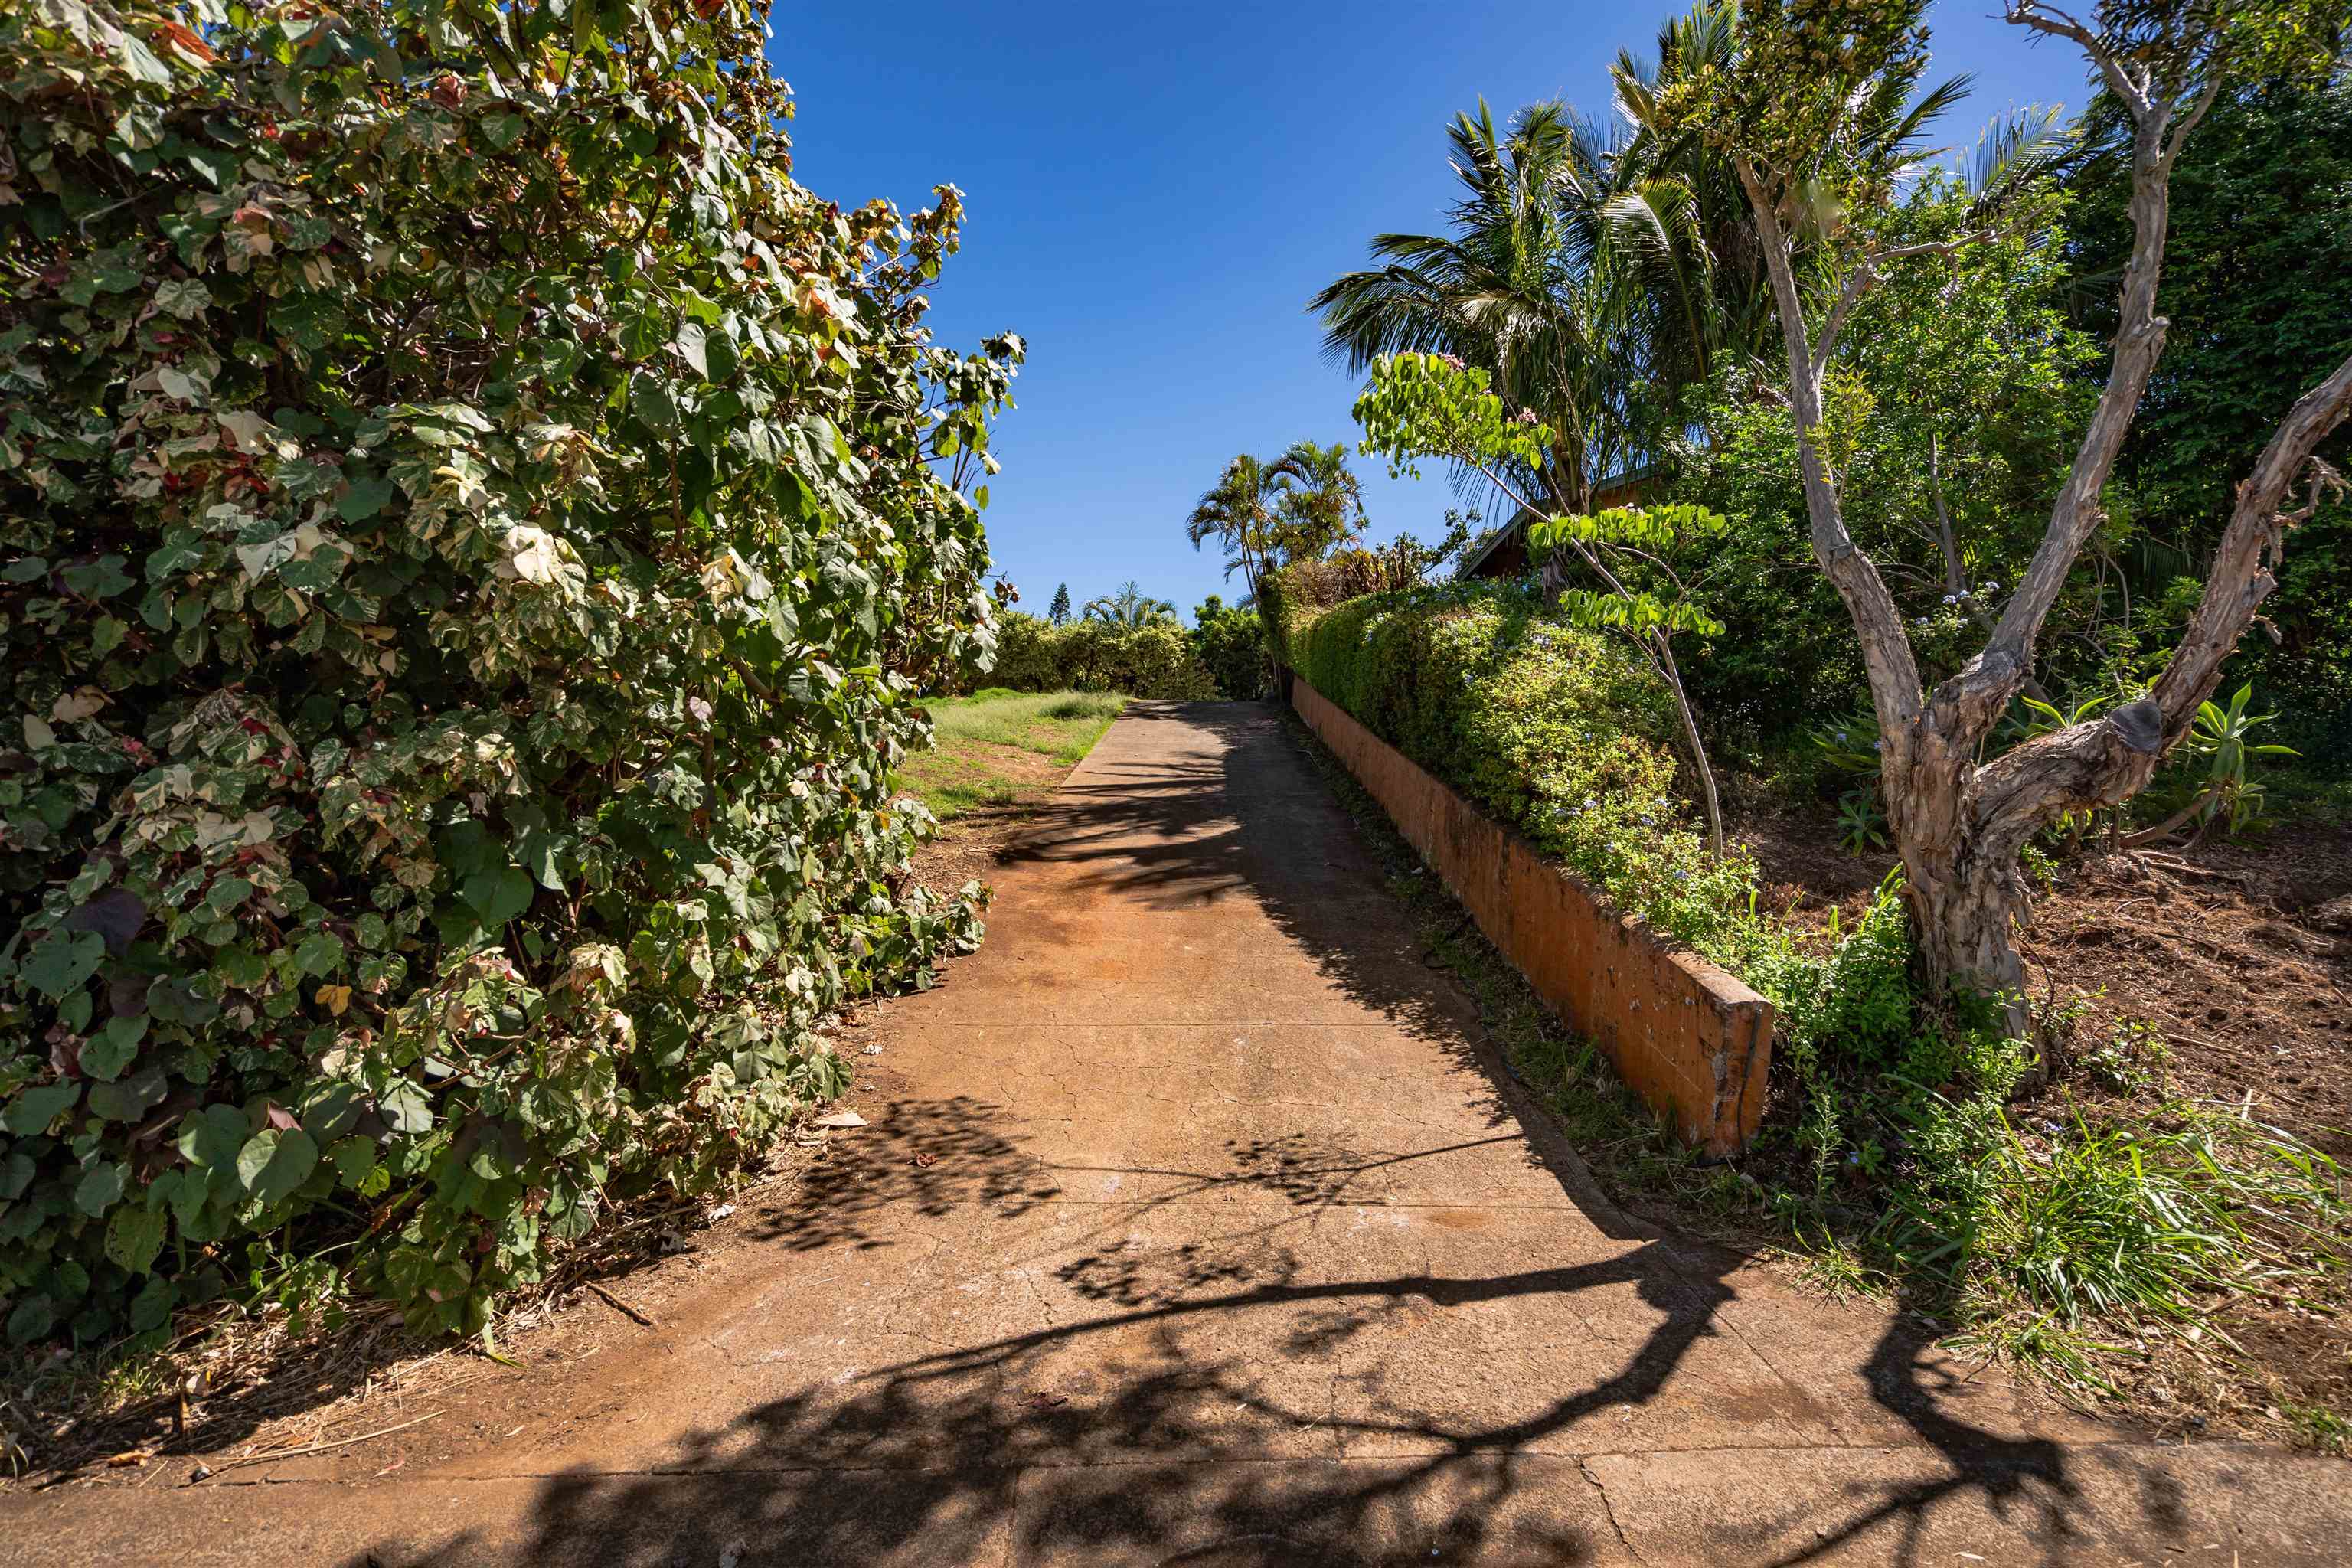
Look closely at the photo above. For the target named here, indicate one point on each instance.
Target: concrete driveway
(1201, 1228)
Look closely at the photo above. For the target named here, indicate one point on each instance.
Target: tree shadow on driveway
(1266, 1381)
(1191, 1413)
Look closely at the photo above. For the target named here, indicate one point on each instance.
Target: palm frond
(2015, 152)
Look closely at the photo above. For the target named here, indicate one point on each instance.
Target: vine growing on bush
(470, 546)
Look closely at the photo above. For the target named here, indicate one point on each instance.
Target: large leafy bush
(469, 549)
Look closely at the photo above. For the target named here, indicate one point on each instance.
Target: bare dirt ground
(2236, 959)
(2239, 955)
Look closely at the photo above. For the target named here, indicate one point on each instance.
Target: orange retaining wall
(1691, 1039)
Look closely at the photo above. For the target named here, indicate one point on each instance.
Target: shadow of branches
(1238, 1387)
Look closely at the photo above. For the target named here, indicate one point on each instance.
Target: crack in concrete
(1610, 1508)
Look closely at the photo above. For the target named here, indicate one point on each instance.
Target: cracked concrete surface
(1203, 1231)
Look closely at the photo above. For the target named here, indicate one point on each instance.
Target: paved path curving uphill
(1201, 1229)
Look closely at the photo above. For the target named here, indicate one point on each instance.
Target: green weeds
(2152, 1219)
(1895, 1160)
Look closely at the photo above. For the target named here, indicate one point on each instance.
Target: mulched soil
(2239, 957)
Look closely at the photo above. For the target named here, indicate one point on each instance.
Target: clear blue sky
(1156, 191)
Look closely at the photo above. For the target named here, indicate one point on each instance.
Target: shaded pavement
(1204, 1229)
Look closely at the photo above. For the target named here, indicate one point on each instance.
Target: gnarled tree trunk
(1958, 827)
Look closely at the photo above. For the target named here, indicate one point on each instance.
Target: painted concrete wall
(1691, 1039)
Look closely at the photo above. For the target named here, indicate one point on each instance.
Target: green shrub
(1035, 655)
(470, 549)
(1552, 729)
(1230, 643)
(1882, 1088)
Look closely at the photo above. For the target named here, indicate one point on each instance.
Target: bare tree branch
(1886, 654)
(2243, 574)
(2108, 760)
(1972, 701)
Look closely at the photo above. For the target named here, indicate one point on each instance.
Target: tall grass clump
(1002, 718)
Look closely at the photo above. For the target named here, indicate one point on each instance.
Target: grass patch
(993, 748)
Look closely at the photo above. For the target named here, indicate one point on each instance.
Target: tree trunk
(1962, 912)
(1958, 827)
(1663, 659)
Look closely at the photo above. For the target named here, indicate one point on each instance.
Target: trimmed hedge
(1035, 655)
(1552, 729)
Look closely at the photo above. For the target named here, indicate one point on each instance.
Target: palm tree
(1513, 288)
(1321, 503)
(1243, 509)
(1595, 278)
(1300, 506)
(1130, 609)
(1702, 293)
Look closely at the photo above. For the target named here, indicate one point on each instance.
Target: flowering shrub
(470, 544)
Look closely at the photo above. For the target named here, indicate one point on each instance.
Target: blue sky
(1156, 191)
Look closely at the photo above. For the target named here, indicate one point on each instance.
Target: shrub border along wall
(1691, 1039)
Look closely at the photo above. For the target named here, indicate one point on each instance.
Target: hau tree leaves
(470, 541)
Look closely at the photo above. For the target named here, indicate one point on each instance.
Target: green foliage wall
(1551, 728)
(1035, 655)
(2259, 291)
(470, 549)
